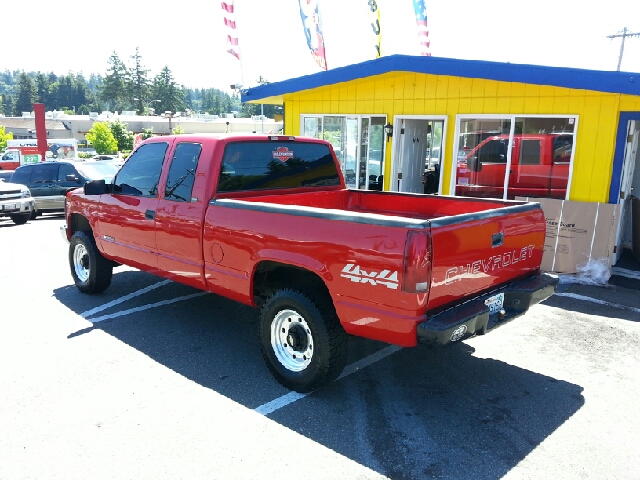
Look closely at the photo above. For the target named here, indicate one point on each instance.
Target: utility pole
(623, 35)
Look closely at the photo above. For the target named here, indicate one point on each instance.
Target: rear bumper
(473, 318)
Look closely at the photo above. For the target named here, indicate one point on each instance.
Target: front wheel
(302, 341)
(20, 219)
(91, 272)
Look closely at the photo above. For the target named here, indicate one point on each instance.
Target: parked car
(15, 202)
(114, 159)
(50, 181)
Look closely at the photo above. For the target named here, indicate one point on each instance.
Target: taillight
(417, 262)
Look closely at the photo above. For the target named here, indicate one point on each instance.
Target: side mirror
(72, 178)
(474, 164)
(95, 187)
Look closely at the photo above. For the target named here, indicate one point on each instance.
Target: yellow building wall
(403, 93)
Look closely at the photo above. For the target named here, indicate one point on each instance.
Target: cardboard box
(577, 233)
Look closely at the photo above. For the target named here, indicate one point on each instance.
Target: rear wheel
(20, 219)
(302, 340)
(91, 272)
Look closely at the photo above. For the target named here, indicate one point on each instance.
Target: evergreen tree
(114, 91)
(27, 95)
(138, 82)
(43, 88)
(168, 92)
(9, 104)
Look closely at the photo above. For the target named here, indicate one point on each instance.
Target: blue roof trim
(576, 78)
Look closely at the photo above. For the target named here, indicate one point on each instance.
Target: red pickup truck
(539, 166)
(267, 221)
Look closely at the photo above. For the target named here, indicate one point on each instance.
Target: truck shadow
(418, 413)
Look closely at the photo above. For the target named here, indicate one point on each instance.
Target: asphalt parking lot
(152, 379)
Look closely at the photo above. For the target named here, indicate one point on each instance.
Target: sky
(189, 36)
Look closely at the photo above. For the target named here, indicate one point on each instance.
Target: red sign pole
(41, 130)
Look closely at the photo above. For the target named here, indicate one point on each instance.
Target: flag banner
(313, 30)
(374, 18)
(230, 22)
(421, 23)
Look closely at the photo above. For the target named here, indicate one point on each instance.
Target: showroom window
(508, 157)
(358, 141)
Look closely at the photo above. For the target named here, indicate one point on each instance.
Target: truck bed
(406, 205)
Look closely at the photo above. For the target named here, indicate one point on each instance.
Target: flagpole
(239, 51)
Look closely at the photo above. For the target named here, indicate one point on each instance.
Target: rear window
(272, 165)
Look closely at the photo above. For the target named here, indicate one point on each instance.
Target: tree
(168, 92)
(102, 139)
(147, 133)
(138, 82)
(178, 130)
(9, 103)
(43, 88)
(27, 95)
(4, 137)
(114, 91)
(124, 137)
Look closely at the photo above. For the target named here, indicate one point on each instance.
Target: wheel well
(79, 223)
(272, 276)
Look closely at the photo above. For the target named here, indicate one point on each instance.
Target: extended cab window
(269, 165)
(494, 151)
(530, 151)
(140, 174)
(182, 172)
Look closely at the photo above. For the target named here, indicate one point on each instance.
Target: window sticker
(283, 154)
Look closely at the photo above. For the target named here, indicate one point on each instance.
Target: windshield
(98, 171)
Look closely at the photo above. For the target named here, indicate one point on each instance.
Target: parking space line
(117, 301)
(145, 307)
(291, 397)
(595, 300)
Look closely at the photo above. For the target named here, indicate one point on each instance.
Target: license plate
(495, 303)
(9, 206)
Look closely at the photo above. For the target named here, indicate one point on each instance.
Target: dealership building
(562, 136)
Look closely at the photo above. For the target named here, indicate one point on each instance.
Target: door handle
(150, 215)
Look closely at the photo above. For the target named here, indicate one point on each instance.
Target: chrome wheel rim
(291, 340)
(81, 262)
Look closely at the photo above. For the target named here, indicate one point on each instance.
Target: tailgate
(479, 252)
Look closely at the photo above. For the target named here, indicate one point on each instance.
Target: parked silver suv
(15, 202)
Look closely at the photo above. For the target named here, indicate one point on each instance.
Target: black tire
(20, 219)
(301, 339)
(34, 214)
(91, 272)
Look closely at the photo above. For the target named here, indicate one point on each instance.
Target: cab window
(66, 169)
(140, 174)
(44, 173)
(182, 172)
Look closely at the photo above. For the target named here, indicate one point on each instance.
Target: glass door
(370, 158)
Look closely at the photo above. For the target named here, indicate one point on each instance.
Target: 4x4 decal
(356, 274)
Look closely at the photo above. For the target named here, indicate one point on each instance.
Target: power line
(623, 35)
